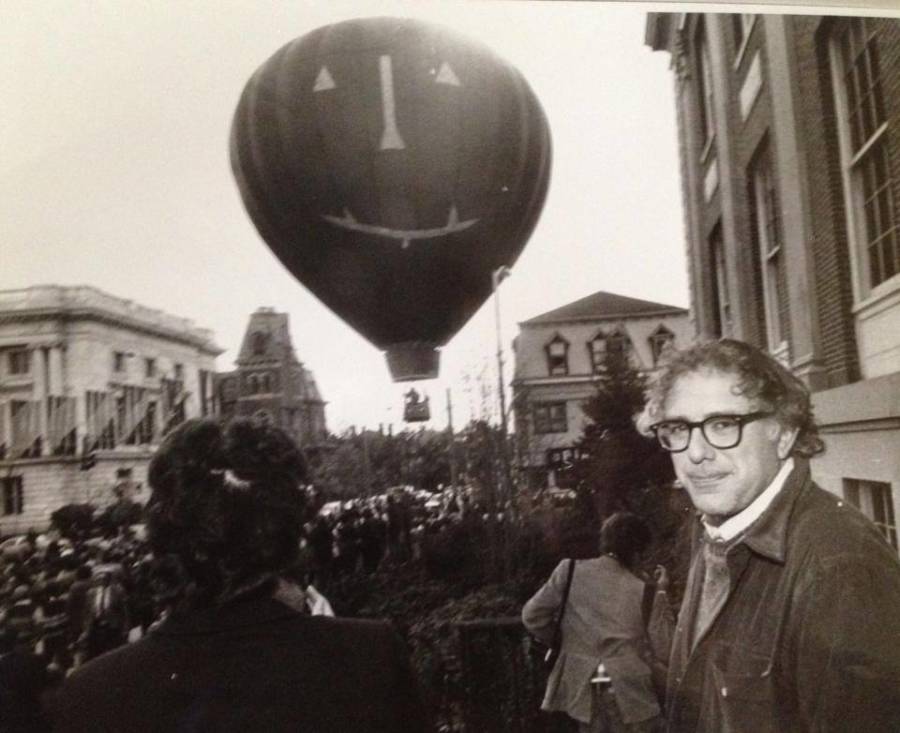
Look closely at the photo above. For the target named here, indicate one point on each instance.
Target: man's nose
(698, 448)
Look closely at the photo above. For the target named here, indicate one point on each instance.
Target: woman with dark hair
(604, 623)
(236, 652)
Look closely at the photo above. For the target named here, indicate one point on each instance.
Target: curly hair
(761, 379)
(226, 510)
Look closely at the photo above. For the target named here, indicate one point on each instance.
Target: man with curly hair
(237, 652)
(791, 616)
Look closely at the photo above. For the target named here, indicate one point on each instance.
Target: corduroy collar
(767, 536)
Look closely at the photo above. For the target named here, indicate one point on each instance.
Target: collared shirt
(736, 525)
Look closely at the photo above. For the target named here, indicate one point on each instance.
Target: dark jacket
(809, 636)
(252, 666)
(23, 678)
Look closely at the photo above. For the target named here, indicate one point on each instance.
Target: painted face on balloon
(394, 144)
(392, 166)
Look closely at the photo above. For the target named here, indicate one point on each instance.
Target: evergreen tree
(618, 467)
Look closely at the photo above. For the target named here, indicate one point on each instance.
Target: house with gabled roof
(559, 358)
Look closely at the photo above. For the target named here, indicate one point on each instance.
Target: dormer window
(661, 339)
(597, 351)
(557, 356)
(618, 345)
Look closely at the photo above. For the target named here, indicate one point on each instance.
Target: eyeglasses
(720, 431)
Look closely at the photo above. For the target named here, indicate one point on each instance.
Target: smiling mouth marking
(405, 236)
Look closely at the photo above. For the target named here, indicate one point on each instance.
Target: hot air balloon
(392, 166)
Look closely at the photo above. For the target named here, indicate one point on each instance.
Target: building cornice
(109, 319)
(69, 304)
(618, 317)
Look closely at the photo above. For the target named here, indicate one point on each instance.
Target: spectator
(234, 655)
(603, 623)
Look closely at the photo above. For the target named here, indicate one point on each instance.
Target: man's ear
(786, 439)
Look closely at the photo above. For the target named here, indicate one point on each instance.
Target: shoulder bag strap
(557, 631)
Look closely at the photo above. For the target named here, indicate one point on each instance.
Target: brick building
(270, 383)
(83, 372)
(559, 359)
(789, 137)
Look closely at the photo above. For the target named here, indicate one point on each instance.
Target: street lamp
(497, 277)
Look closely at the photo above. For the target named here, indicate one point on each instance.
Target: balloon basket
(411, 361)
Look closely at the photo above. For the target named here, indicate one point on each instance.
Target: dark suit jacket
(255, 665)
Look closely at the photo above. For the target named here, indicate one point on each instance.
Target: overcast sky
(115, 172)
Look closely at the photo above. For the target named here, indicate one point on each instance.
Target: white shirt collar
(733, 526)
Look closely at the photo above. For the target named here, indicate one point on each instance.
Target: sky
(115, 173)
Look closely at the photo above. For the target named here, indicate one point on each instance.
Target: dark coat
(23, 677)
(809, 636)
(254, 665)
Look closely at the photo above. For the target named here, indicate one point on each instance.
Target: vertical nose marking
(390, 138)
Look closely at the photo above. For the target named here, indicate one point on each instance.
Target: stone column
(792, 175)
(55, 370)
(40, 391)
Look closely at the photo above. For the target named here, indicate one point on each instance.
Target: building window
(618, 345)
(150, 367)
(25, 428)
(557, 356)
(865, 149)
(704, 85)
(179, 372)
(18, 361)
(13, 495)
(260, 342)
(721, 304)
(766, 233)
(119, 361)
(875, 500)
(550, 417)
(597, 353)
(660, 340)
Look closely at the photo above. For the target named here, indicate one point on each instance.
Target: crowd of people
(64, 602)
(206, 623)
(361, 534)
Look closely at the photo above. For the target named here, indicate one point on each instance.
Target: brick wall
(817, 119)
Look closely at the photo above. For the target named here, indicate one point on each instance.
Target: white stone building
(86, 374)
(558, 360)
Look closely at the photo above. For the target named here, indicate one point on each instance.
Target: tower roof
(267, 339)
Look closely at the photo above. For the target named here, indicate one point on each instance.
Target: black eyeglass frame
(741, 421)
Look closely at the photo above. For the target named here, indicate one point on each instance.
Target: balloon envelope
(392, 166)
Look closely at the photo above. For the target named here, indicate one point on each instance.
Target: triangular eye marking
(324, 82)
(446, 76)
